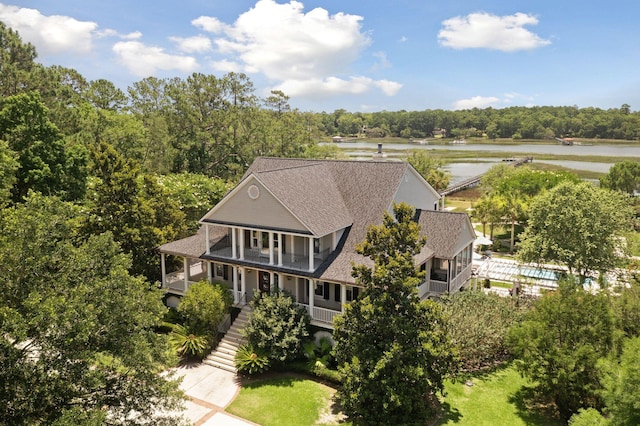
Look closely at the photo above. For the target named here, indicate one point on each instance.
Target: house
(294, 224)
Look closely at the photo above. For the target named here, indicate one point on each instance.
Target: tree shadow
(448, 414)
(533, 408)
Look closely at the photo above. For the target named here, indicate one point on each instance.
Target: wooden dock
(471, 182)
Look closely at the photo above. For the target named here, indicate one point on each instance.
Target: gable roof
(327, 195)
(445, 231)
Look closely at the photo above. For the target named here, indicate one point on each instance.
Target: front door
(265, 282)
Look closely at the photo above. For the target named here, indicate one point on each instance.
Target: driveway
(209, 391)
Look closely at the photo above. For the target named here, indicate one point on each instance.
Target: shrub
(277, 326)
(189, 344)
(204, 306)
(318, 355)
(251, 361)
(478, 323)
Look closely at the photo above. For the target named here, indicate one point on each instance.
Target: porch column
(280, 281)
(271, 281)
(334, 241)
(243, 284)
(185, 264)
(271, 249)
(163, 268)
(234, 250)
(235, 284)
(297, 291)
(311, 267)
(280, 243)
(292, 249)
(241, 236)
(343, 296)
(312, 293)
(206, 238)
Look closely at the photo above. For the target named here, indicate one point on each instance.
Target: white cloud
(210, 24)
(304, 53)
(113, 33)
(484, 30)
(227, 66)
(197, 43)
(403, 39)
(49, 34)
(389, 88)
(145, 61)
(330, 86)
(476, 102)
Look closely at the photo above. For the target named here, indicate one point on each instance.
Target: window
(254, 239)
(319, 289)
(336, 292)
(219, 270)
(316, 245)
(352, 293)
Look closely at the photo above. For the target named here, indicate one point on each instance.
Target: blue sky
(358, 55)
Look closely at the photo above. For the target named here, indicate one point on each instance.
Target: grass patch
(285, 401)
(499, 398)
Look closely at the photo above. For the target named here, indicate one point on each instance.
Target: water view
(464, 169)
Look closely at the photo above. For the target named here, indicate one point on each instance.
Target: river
(463, 169)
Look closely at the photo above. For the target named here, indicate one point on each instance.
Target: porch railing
(261, 256)
(321, 314)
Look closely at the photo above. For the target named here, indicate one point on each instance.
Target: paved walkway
(209, 391)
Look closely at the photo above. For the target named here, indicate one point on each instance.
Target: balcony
(260, 256)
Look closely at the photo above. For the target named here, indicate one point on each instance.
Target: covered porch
(322, 300)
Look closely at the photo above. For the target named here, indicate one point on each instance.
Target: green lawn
(285, 401)
(499, 398)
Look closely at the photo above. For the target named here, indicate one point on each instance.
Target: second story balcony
(297, 253)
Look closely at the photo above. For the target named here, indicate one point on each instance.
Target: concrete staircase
(223, 356)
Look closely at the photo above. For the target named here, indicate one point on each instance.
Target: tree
(8, 167)
(578, 225)
(42, 155)
(430, 168)
(17, 59)
(196, 194)
(559, 343)
(132, 207)
(391, 349)
(277, 326)
(77, 329)
(622, 385)
(623, 176)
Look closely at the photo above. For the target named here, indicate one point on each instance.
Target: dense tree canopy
(77, 330)
(560, 342)
(391, 349)
(623, 176)
(578, 225)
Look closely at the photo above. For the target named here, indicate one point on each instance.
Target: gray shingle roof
(311, 194)
(443, 230)
(330, 193)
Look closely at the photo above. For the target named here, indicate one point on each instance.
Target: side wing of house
(416, 191)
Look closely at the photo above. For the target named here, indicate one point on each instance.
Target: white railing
(437, 286)
(324, 315)
(423, 289)
(321, 314)
(462, 278)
